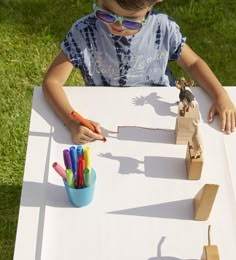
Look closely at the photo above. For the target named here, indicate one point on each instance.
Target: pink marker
(57, 167)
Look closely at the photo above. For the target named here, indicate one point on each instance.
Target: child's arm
(201, 73)
(53, 82)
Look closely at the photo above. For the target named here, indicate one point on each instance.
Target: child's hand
(82, 135)
(227, 113)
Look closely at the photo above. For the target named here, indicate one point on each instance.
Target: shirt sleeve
(176, 40)
(71, 48)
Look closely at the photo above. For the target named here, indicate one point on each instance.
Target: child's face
(116, 28)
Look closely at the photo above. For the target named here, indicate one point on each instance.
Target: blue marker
(80, 151)
(74, 159)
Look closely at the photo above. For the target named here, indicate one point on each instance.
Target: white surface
(142, 198)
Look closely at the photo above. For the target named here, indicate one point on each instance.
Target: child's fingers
(211, 114)
(99, 133)
(227, 119)
(233, 122)
(83, 135)
(230, 122)
(90, 135)
(95, 136)
(97, 126)
(81, 139)
(223, 120)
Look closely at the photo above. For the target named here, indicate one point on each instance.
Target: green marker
(87, 177)
(70, 178)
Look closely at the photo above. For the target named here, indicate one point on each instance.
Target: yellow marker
(87, 158)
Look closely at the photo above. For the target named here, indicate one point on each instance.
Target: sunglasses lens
(105, 17)
(132, 25)
(108, 18)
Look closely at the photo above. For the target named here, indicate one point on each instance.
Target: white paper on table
(143, 204)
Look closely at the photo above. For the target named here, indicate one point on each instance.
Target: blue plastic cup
(81, 197)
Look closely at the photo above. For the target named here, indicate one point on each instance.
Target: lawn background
(30, 33)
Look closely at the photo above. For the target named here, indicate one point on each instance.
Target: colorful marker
(70, 178)
(74, 158)
(86, 123)
(58, 168)
(80, 175)
(67, 159)
(87, 177)
(87, 158)
(79, 151)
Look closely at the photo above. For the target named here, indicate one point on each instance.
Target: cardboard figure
(186, 97)
(210, 252)
(184, 127)
(204, 200)
(194, 156)
(187, 112)
(196, 143)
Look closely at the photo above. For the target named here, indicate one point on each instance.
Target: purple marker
(67, 159)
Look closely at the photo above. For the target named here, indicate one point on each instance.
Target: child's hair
(135, 5)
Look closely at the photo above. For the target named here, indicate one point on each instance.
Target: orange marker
(86, 123)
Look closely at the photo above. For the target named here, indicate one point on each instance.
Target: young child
(126, 43)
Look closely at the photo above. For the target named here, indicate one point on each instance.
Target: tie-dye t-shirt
(108, 60)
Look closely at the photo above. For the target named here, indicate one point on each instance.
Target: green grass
(30, 33)
(209, 27)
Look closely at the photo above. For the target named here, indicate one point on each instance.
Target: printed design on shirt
(158, 37)
(89, 36)
(177, 40)
(76, 56)
(147, 70)
(123, 52)
(106, 59)
(143, 69)
(153, 83)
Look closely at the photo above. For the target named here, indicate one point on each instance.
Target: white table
(143, 203)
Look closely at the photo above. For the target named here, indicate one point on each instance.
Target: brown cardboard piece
(193, 165)
(210, 252)
(204, 200)
(184, 127)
